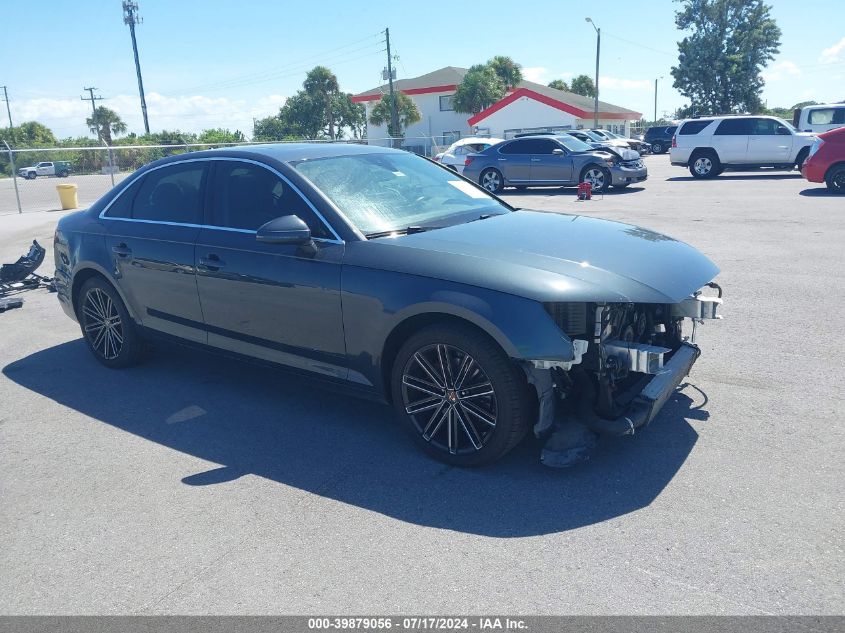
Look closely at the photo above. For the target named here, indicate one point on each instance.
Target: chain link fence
(29, 176)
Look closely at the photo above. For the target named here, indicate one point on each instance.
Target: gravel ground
(197, 484)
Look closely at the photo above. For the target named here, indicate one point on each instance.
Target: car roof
(290, 152)
(472, 140)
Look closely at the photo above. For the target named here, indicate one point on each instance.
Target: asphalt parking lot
(196, 484)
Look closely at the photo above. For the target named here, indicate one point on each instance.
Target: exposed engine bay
(628, 360)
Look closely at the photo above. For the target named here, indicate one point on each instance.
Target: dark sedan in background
(544, 160)
(390, 275)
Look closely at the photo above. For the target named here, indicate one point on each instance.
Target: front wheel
(108, 329)
(63, 173)
(459, 396)
(835, 179)
(657, 147)
(31, 175)
(598, 177)
(492, 180)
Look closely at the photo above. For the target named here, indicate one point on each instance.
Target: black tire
(452, 422)
(31, 175)
(835, 179)
(657, 148)
(107, 328)
(492, 180)
(599, 177)
(802, 156)
(63, 173)
(704, 164)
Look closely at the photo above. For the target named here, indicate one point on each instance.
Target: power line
(92, 99)
(130, 17)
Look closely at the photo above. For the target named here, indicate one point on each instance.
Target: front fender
(376, 303)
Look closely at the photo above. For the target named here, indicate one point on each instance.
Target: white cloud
(781, 70)
(614, 83)
(542, 75)
(833, 54)
(66, 117)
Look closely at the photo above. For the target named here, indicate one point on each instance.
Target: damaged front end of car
(628, 359)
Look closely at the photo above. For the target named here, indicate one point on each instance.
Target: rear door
(514, 160)
(278, 302)
(730, 140)
(152, 226)
(548, 167)
(769, 142)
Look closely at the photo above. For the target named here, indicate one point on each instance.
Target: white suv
(712, 144)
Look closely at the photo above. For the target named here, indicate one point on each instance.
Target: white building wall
(431, 127)
(527, 114)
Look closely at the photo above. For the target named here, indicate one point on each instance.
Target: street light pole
(598, 53)
(655, 98)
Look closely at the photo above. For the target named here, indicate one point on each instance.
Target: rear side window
(824, 117)
(693, 127)
(671, 130)
(121, 207)
(733, 127)
(171, 194)
(517, 147)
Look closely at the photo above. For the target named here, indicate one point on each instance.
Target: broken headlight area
(627, 361)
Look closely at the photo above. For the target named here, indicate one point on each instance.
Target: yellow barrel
(67, 196)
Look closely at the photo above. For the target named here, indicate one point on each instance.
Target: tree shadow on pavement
(251, 419)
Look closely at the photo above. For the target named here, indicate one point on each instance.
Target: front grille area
(569, 317)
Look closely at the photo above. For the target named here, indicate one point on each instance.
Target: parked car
(826, 160)
(660, 137)
(623, 151)
(58, 168)
(545, 160)
(708, 146)
(636, 145)
(819, 118)
(456, 154)
(381, 271)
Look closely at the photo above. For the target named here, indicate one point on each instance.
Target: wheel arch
(836, 165)
(88, 270)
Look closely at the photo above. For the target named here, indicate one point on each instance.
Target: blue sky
(220, 63)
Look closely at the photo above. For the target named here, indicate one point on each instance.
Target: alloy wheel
(595, 177)
(449, 398)
(703, 165)
(837, 182)
(491, 181)
(102, 324)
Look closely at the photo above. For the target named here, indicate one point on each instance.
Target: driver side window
(247, 196)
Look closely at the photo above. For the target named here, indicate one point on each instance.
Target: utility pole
(655, 99)
(130, 17)
(8, 110)
(394, 124)
(92, 99)
(598, 52)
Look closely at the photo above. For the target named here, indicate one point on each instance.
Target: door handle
(535, 160)
(121, 250)
(502, 160)
(211, 262)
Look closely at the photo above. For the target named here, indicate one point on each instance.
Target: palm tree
(480, 88)
(559, 84)
(507, 70)
(321, 83)
(105, 123)
(406, 112)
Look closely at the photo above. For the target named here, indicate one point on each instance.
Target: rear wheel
(657, 148)
(705, 165)
(835, 179)
(598, 177)
(802, 156)
(492, 180)
(108, 329)
(459, 396)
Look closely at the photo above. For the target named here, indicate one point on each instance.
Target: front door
(769, 142)
(152, 227)
(278, 302)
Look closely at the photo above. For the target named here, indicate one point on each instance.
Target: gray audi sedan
(544, 160)
(385, 273)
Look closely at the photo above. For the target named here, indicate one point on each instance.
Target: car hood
(548, 257)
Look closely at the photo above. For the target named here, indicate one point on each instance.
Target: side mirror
(557, 151)
(288, 229)
(783, 131)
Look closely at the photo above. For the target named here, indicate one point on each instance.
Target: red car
(826, 160)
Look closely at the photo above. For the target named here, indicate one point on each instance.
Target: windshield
(573, 144)
(385, 192)
(596, 137)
